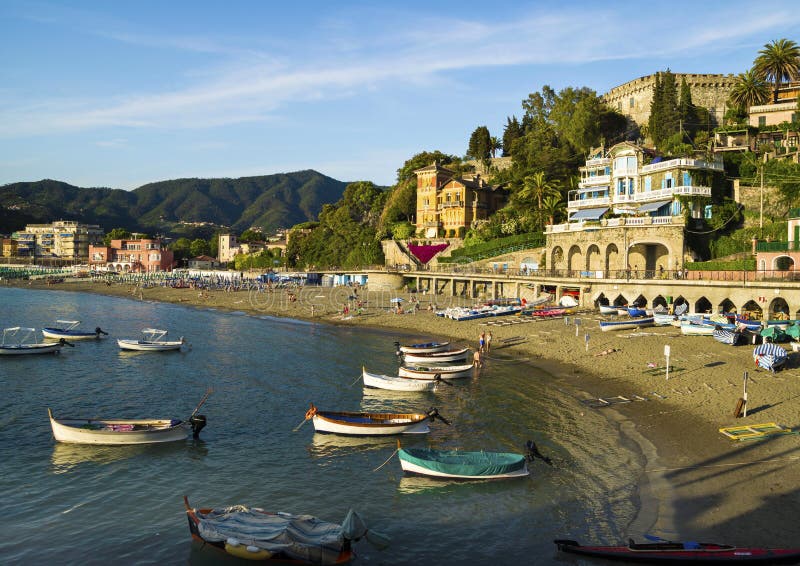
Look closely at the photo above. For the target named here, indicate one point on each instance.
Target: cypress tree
(687, 110)
(655, 120)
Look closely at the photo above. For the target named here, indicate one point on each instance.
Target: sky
(123, 93)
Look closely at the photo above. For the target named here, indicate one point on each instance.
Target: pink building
(125, 256)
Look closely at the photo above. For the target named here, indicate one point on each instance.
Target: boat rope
(356, 381)
(768, 461)
(387, 460)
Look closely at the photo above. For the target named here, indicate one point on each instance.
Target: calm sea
(94, 505)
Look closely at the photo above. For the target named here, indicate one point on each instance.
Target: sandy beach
(698, 484)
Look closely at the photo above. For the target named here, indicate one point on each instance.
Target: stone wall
(634, 97)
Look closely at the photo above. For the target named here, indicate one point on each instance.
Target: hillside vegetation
(268, 202)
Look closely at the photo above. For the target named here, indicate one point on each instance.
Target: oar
(200, 404)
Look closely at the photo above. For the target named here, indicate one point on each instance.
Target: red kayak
(685, 552)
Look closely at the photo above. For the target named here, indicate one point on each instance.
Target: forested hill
(268, 201)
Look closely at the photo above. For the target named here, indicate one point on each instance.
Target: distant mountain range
(269, 202)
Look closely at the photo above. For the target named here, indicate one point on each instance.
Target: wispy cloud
(252, 84)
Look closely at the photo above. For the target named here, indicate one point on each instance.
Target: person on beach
(488, 342)
(481, 342)
(477, 359)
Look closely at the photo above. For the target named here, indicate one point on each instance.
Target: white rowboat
(437, 357)
(431, 372)
(153, 342)
(425, 348)
(123, 431)
(371, 424)
(379, 381)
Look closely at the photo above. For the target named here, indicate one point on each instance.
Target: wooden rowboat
(126, 431)
(371, 424)
(379, 381)
(19, 341)
(69, 329)
(684, 552)
(153, 342)
(452, 355)
(430, 372)
(607, 309)
(283, 538)
(424, 348)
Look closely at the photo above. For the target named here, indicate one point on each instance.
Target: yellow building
(449, 204)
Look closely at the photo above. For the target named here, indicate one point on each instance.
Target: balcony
(432, 224)
(683, 163)
(612, 223)
(598, 162)
(593, 181)
(455, 204)
(685, 190)
(588, 202)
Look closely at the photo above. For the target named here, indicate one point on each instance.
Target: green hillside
(269, 202)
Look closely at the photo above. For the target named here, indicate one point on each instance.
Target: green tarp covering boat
(462, 464)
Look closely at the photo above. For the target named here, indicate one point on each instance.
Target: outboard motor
(397, 351)
(198, 423)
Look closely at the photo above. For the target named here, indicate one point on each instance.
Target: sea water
(76, 504)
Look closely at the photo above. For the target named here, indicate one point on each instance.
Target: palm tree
(750, 90)
(552, 206)
(778, 61)
(537, 187)
(494, 145)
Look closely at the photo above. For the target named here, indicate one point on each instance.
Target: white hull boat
(68, 329)
(20, 341)
(425, 348)
(629, 324)
(153, 342)
(430, 372)
(123, 431)
(462, 465)
(608, 309)
(391, 383)
(689, 328)
(437, 357)
(371, 424)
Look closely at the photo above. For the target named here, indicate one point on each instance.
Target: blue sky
(119, 94)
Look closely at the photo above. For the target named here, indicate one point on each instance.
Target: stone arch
(557, 258)
(640, 301)
(727, 306)
(574, 258)
(762, 265)
(703, 305)
(594, 261)
(612, 258)
(752, 310)
(620, 301)
(660, 301)
(778, 308)
(601, 300)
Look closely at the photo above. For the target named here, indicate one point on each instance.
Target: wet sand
(697, 484)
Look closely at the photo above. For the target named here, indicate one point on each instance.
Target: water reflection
(328, 445)
(67, 456)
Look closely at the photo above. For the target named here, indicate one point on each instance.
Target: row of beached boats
(20, 340)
